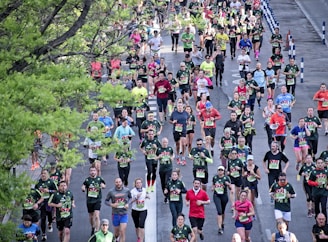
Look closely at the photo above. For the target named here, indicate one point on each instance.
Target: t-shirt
(172, 186)
(47, 184)
(310, 121)
(301, 140)
(93, 188)
(183, 78)
(285, 101)
(222, 40)
(219, 183)
(259, 76)
(162, 89)
(322, 105)
(125, 156)
(319, 176)
(235, 168)
(227, 144)
(181, 125)
(121, 197)
(181, 234)
(291, 78)
(200, 163)
(165, 162)
(306, 169)
(31, 199)
(206, 117)
(274, 161)
(189, 37)
(140, 203)
(195, 210)
(150, 147)
(66, 199)
(208, 68)
(317, 230)
(282, 201)
(154, 125)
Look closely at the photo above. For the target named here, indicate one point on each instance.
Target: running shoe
(148, 189)
(220, 231)
(36, 165)
(309, 214)
(50, 229)
(152, 188)
(178, 161)
(44, 237)
(166, 200)
(183, 161)
(297, 166)
(32, 167)
(201, 236)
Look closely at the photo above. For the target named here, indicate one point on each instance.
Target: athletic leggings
(139, 218)
(220, 202)
(151, 170)
(175, 39)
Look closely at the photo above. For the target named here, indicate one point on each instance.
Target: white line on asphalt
(268, 234)
(151, 221)
(152, 108)
(259, 200)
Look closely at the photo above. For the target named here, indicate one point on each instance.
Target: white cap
(250, 157)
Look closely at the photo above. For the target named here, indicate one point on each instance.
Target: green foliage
(7, 231)
(45, 51)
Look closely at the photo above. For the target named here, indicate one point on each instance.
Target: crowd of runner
(184, 102)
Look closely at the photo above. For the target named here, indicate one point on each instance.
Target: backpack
(96, 69)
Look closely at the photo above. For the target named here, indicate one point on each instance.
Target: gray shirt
(121, 197)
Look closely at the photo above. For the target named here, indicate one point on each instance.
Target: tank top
(283, 238)
(242, 94)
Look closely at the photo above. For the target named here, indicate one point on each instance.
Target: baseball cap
(221, 168)
(104, 221)
(250, 157)
(208, 104)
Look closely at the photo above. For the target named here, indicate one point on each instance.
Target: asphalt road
(309, 47)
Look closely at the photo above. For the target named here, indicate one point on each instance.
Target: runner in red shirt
(321, 97)
(209, 115)
(196, 198)
(162, 90)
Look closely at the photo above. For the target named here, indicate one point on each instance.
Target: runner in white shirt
(203, 83)
(155, 43)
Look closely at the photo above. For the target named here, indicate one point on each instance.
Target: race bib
(140, 113)
(64, 212)
(151, 156)
(302, 142)
(140, 204)
(251, 178)
(280, 195)
(200, 173)
(219, 190)
(161, 89)
(174, 197)
(238, 111)
(242, 218)
(93, 192)
(178, 128)
(273, 165)
(209, 122)
(290, 81)
(235, 174)
(325, 104)
(189, 127)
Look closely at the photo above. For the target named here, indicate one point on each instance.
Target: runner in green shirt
(93, 185)
(187, 39)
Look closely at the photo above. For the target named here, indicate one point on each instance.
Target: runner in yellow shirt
(222, 39)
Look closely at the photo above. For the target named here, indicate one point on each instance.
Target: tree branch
(20, 65)
(10, 8)
(50, 18)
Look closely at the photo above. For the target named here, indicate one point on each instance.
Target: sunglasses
(220, 170)
(199, 144)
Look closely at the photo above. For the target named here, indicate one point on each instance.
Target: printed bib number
(274, 165)
(251, 178)
(140, 204)
(219, 190)
(93, 192)
(235, 174)
(200, 173)
(325, 104)
(243, 218)
(161, 89)
(290, 81)
(174, 197)
(209, 122)
(178, 127)
(302, 143)
(140, 113)
(280, 195)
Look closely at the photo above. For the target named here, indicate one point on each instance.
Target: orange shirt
(322, 105)
(281, 120)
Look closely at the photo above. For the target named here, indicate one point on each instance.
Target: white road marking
(151, 221)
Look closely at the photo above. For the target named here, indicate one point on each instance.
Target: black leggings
(139, 218)
(320, 200)
(209, 47)
(165, 177)
(151, 170)
(124, 174)
(44, 214)
(233, 41)
(138, 123)
(291, 88)
(220, 202)
(175, 39)
(269, 134)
